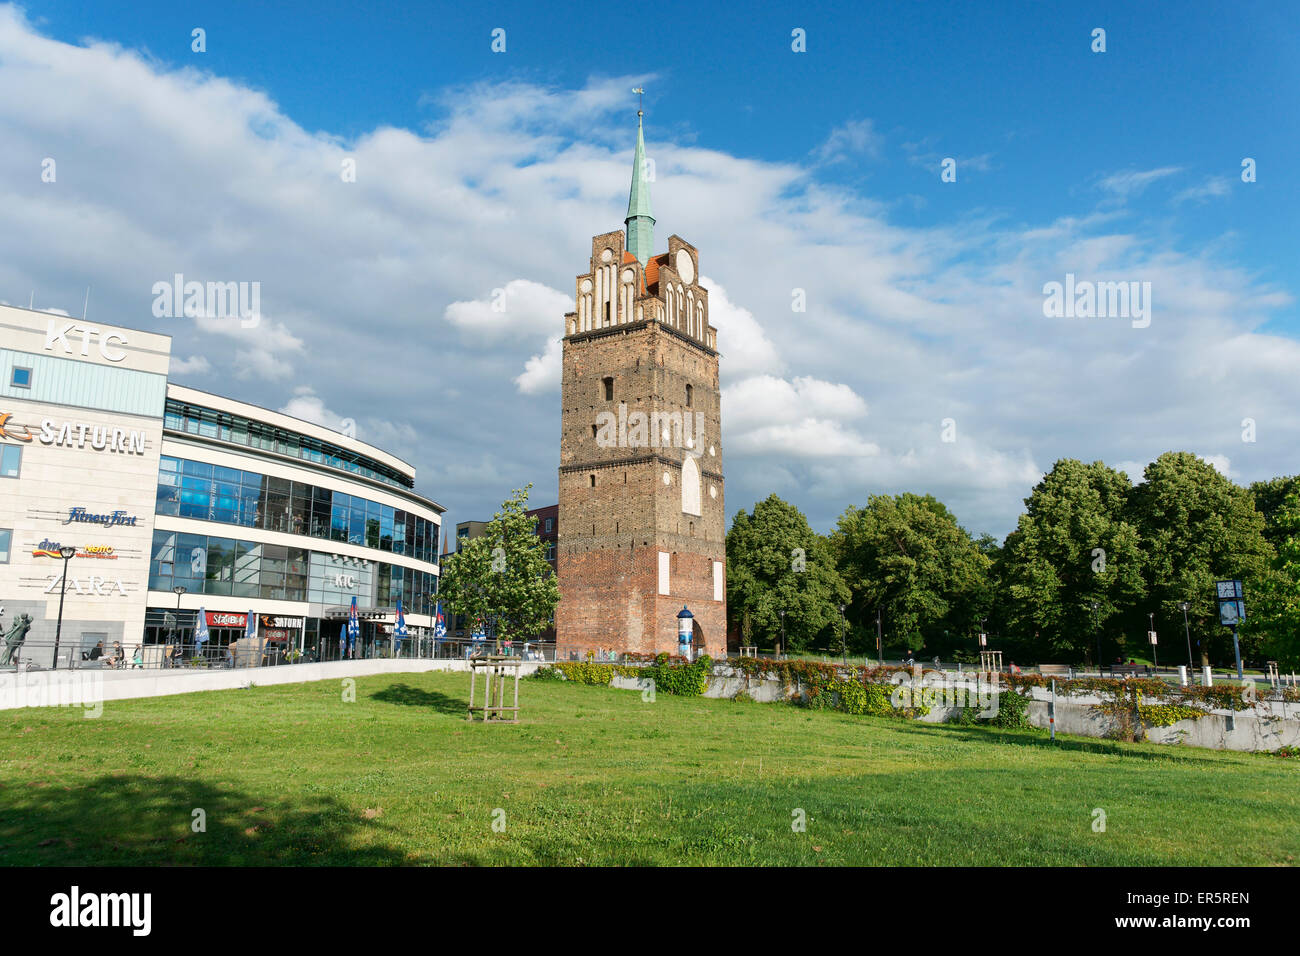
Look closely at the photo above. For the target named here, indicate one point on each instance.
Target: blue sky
(1124, 164)
(1193, 85)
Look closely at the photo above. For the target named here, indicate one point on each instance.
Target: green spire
(640, 223)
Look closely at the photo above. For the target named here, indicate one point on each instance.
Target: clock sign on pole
(1232, 611)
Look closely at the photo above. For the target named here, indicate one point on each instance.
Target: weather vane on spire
(640, 93)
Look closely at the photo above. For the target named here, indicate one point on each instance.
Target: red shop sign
(227, 619)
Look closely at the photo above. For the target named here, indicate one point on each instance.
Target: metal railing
(179, 655)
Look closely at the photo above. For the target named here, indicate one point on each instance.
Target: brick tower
(641, 526)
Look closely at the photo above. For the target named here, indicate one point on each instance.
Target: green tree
(1273, 618)
(1270, 497)
(1073, 547)
(1197, 527)
(502, 578)
(907, 555)
(775, 561)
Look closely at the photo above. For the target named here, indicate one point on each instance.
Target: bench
(1056, 670)
(1130, 670)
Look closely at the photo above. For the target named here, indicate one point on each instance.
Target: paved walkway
(85, 686)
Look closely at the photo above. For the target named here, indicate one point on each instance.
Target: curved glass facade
(209, 423)
(195, 489)
(207, 564)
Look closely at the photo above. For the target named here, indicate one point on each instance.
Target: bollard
(1182, 674)
(1207, 679)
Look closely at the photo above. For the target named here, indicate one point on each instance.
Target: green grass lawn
(294, 775)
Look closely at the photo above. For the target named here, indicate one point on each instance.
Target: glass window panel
(11, 459)
(168, 502)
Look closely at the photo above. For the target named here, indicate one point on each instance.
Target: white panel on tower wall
(717, 580)
(664, 558)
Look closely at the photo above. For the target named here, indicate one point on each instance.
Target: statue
(15, 638)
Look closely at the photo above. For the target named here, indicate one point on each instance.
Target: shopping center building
(178, 500)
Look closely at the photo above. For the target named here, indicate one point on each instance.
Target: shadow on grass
(1095, 745)
(408, 696)
(129, 819)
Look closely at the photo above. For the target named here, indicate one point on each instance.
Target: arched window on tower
(690, 486)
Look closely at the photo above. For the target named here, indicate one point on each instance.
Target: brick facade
(640, 456)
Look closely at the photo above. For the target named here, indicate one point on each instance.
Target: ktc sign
(56, 333)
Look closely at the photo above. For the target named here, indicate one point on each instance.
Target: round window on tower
(685, 266)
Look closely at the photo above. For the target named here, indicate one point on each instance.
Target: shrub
(586, 672)
(678, 677)
(1013, 710)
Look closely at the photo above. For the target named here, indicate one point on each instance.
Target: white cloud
(397, 438)
(310, 407)
(194, 365)
(1133, 181)
(542, 372)
(745, 346)
(374, 292)
(260, 349)
(854, 138)
(1211, 188)
(520, 307)
(803, 418)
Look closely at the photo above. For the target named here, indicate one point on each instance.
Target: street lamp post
(1151, 636)
(844, 647)
(782, 613)
(66, 554)
(1096, 626)
(1187, 627)
(179, 589)
(880, 645)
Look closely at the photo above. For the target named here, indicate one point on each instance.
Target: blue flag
(354, 625)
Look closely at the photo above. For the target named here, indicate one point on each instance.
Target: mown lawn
(295, 775)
